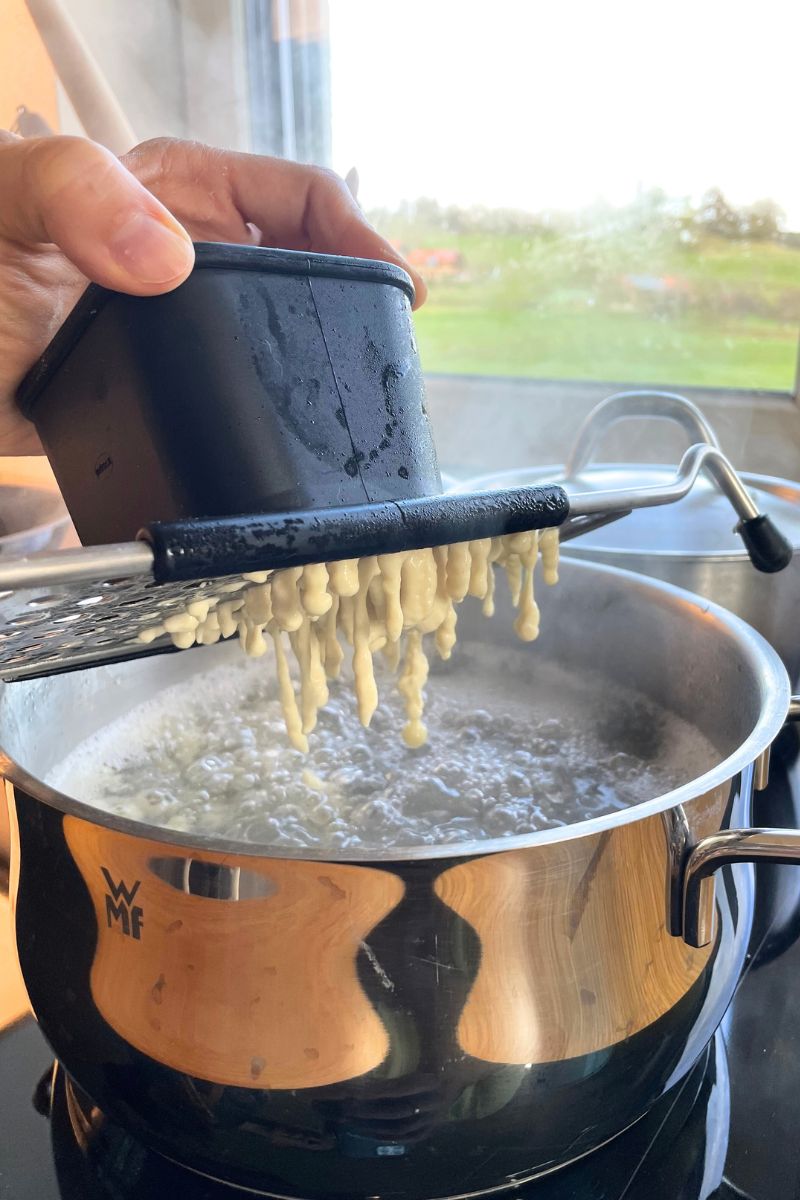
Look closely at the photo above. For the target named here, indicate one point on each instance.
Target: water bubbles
(215, 760)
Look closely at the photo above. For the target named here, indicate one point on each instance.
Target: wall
(138, 48)
(26, 75)
(176, 66)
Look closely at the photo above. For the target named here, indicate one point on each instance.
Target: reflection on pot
(258, 993)
(550, 990)
(244, 971)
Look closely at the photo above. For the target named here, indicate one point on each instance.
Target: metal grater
(69, 609)
(80, 608)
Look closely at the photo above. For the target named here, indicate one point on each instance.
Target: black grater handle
(211, 547)
(768, 549)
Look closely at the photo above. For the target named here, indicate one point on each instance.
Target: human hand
(71, 212)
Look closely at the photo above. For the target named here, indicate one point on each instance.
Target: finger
(309, 209)
(74, 193)
(220, 194)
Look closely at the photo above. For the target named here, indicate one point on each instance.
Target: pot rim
(770, 677)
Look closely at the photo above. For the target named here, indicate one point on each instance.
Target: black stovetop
(729, 1131)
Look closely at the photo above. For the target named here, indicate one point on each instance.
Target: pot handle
(723, 849)
(625, 406)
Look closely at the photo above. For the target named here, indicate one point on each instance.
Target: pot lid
(701, 523)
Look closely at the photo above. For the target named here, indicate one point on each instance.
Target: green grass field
(689, 351)
(558, 306)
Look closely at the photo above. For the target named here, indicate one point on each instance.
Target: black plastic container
(270, 381)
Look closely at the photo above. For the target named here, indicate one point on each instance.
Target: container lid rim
(219, 256)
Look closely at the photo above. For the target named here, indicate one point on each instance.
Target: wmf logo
(120, 907)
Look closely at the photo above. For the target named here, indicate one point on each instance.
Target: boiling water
(210, 756)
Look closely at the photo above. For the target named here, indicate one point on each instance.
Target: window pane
(594, 191)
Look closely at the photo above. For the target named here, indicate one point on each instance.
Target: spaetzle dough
(383, 604)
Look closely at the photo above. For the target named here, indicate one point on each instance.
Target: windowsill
(484, 423)
(575, 387)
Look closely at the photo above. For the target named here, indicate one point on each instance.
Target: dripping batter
(383, 604)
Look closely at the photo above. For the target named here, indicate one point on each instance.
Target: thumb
(74, 193)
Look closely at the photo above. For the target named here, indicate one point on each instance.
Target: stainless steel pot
(431, 1022)
(32, 519)
(32, 516)
(690, 543)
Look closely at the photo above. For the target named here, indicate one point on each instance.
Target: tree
(764, 221)
(716, 215)
(428, 213)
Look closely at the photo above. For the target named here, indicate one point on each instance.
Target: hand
(71, 212)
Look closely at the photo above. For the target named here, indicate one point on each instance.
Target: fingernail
(150, 250)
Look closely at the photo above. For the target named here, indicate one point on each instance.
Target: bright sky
(540, 104)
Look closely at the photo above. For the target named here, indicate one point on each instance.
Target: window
(601, 192)
(288, 69)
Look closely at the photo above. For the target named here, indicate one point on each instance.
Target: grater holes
(88, 621)
(48, 601)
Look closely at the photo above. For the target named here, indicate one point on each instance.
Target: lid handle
(625, 406)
